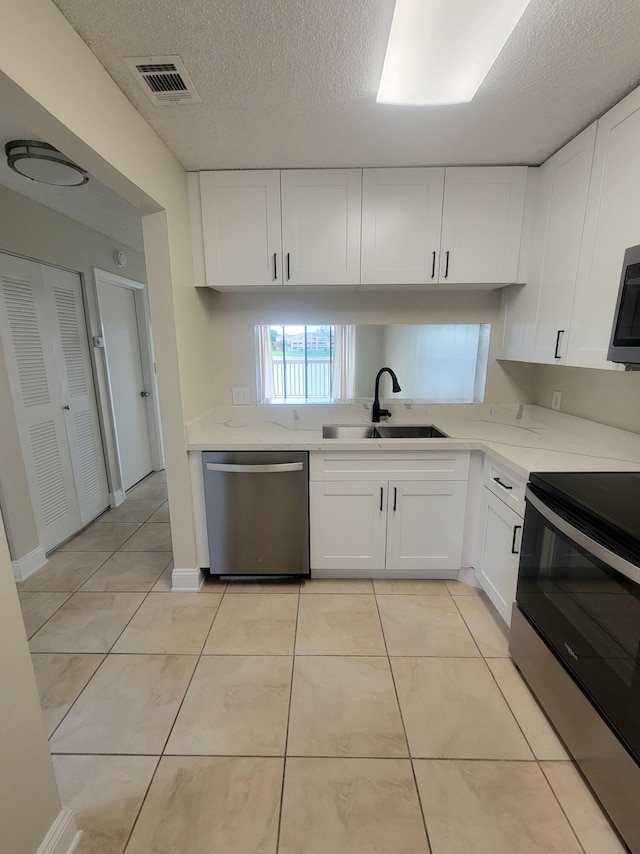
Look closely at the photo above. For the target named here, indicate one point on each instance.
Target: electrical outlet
(240, 396)
(556, 400)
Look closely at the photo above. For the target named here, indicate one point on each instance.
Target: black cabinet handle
(275, 266)
(556, 355)
(288, 265)
(446, 266)
(395, 498)
(433, 264)
(516, 528)
(381, 493)
(500, 483)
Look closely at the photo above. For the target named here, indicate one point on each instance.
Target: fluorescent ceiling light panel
(440, 51)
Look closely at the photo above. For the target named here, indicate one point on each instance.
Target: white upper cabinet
(242, 227)
(457, 226)
(321, 215)
(401, 224)
(537, 318)
(482, 224)
(612, 224)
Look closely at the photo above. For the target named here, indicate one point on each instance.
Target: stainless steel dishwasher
(257, 505)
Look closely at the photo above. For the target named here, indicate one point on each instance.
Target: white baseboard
(30, 563)
(187, 580)
(63, 836)
(450, 574)
(116, 498)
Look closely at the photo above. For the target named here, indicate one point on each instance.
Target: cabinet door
(425, 524)
(612, 224)
(321, 215)
(401, 221)
(537, 317)
(498, 571)
(347, 524)
(241, 228)
(482, 224)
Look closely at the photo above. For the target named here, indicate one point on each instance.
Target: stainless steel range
(575, 632)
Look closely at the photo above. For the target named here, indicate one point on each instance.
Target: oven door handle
(615, 561)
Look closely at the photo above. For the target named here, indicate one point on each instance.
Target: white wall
(235, 316)
(37, 232)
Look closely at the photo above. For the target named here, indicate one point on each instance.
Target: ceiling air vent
(164, 79)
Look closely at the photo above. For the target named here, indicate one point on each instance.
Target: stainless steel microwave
(625, 336)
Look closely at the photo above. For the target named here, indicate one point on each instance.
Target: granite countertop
(524, 438)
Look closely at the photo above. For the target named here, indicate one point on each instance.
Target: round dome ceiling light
(41, 162)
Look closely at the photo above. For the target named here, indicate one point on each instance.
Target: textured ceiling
(93, 204)
(292, 83)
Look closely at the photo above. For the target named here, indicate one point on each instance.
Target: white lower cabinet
(499, 553)
(405, 527)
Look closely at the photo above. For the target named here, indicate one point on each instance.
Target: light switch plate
(240, 396)
(556, 400)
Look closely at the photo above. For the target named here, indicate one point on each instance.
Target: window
(436, 363)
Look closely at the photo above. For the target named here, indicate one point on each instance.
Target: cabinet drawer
(397, 465)
(509, 487)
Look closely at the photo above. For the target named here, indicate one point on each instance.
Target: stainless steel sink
(381, 431)
(349, 431)
(409, 431)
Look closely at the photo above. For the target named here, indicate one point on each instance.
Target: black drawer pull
(446, 266)
(275, 266)
(556, 355)
(516, 528)
(395, 498)
(433, 265)
(500, 483)
(288, 265)
(381, 494)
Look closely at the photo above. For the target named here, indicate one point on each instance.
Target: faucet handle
(384, 413)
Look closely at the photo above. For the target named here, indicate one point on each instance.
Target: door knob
(144, 394)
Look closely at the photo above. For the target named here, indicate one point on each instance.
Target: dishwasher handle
(255, 469)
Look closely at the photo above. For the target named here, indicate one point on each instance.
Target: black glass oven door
(587, 612)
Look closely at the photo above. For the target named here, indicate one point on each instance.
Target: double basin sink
(382, 431)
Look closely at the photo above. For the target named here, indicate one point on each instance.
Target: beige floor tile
(344, 707)
(452, 708)
(65, 571)
(128, 707)
(151, 537)
(156, 477)
(590, 824)
(163, 584)
(491, 808)
(101, 537)
(254, 624)
(176, 624)
(210, 805)
(161, 514)
(333, 624)
(424, 625)
(236, 705)
(538, 731)
(486, 626)
(211, 584)
(459, 588)
(148, 491)
(105, 794)
(351, 806)
(133, 572)
(131, 511)
(37, 608)
(87, 622)
(426, 587)
(60, 679)
(336, 585)
(289, 587)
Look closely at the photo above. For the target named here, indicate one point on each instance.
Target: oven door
(584, 601)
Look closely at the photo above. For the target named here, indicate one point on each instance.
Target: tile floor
(328, 717)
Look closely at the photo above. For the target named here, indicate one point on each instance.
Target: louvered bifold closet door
(63, 291)
(25, 332)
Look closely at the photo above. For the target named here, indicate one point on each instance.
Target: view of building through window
(301, 359)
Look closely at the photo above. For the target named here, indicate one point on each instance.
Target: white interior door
(45, 346)
(126, 380)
